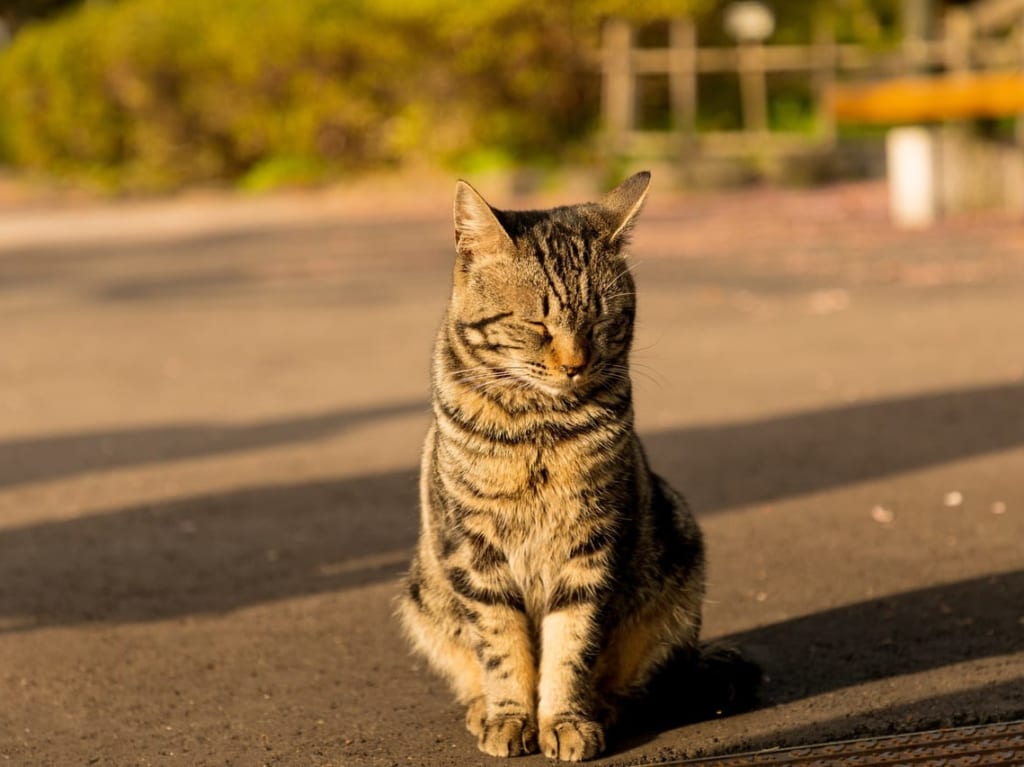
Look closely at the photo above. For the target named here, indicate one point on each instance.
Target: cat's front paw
(571, 739)
(508, 735)
(476, 715)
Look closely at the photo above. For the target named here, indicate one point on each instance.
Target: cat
(555, 574)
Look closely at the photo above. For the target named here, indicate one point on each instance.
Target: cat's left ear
(622, 205)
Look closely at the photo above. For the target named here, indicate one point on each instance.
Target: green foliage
(157, 93)
(154, 94)
(284, 170)
(646, 10)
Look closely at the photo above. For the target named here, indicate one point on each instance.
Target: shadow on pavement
(219, 552)
(1000, 702)
(32, 460)
(881, 638)
(720, 467)
(208, 553)
(763, 460)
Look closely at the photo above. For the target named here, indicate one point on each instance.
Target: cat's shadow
(877, 639)
(907, 633)
(721, 682)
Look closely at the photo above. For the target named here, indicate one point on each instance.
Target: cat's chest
(544, 520)
(540, 485)
(534, 568)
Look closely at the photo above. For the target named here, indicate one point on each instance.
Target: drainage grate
(977, 746)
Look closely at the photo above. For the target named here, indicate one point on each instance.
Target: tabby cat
(555, 573)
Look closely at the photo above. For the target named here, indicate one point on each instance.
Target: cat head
(544, 300)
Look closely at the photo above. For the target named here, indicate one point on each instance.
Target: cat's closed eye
(539, 328)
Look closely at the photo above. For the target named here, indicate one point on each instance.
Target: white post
(911, 160)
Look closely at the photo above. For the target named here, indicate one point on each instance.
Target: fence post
(958, 34)
(917, 22)
(618, 91)
(825, 74)
(753, 88)
(682, 77)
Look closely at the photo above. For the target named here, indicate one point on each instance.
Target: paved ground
(210, 413)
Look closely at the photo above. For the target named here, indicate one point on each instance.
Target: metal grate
(976, 746)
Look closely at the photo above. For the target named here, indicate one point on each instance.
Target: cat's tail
(712, 681)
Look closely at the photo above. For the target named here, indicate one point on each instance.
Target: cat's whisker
(639, 350)
(652, 379)
(630, 267)
(486, 379)
(649, 372)
(623, 373)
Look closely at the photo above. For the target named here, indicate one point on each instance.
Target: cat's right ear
(478, 232)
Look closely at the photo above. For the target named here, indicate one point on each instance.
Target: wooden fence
(990, 38)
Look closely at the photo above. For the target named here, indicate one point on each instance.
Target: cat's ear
(478, 232)
(622, 205)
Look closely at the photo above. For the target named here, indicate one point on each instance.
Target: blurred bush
(160, 93)
(156, 94)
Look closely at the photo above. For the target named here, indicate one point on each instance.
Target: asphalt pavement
(210, 416)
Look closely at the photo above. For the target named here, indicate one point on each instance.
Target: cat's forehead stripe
(567, 265)
(543, 254)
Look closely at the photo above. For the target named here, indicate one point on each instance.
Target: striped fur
(555, 573)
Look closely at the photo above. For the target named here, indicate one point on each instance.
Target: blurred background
(157, 95)
(225, 248)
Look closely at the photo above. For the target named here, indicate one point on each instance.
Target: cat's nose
(572, 364)
(569, 356)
